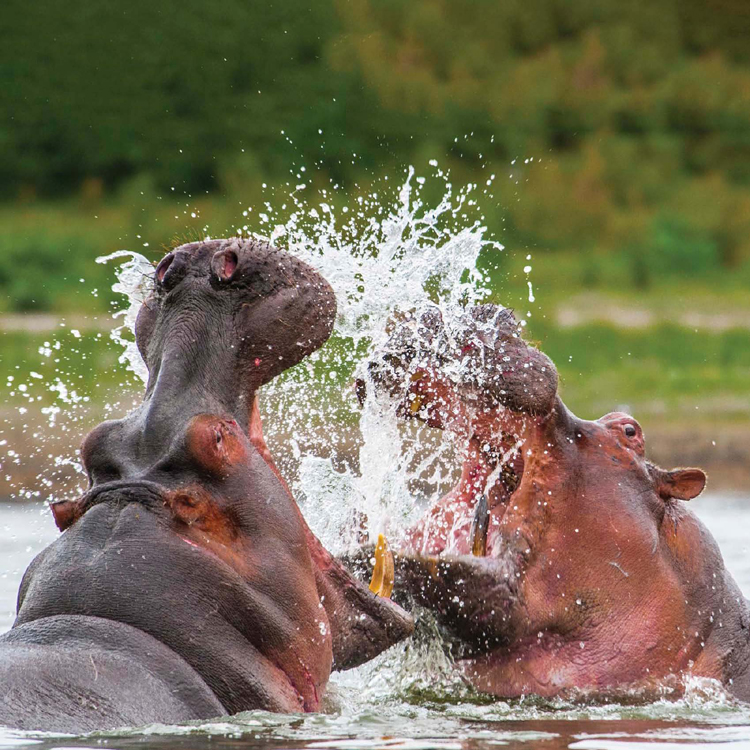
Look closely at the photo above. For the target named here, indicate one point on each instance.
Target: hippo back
(121, 562)
(80, 674)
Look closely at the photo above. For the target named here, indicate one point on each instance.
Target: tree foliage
(637, 113)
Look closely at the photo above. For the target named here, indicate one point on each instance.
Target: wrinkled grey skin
(186, 583)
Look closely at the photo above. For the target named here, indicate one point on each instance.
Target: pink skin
(594, 575)
(446, 525)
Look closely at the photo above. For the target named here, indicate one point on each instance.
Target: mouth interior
(511, 473)
(501, 485)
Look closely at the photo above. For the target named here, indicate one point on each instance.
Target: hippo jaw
(224, 318)
(466, 557)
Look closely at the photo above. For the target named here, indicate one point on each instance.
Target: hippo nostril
(224, 264)
(101, 453)
(163, 267)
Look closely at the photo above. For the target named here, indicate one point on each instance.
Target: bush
(679, 249)
(43, 272)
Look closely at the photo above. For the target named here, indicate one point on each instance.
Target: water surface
(400, 702)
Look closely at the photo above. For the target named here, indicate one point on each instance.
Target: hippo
(564, 562)
(186, 584)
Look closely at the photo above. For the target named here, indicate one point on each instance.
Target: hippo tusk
(383, 573)
(416, 404)
(479, 527)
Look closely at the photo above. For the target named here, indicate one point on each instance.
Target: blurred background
(618, 135)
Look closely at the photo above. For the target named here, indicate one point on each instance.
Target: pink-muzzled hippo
(563, 561)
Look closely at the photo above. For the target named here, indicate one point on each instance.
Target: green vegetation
(668, 372)
(619, 132)
(618, 135)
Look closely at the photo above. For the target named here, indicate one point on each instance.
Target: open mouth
(494, 460)
(470, 586)
(500, 486)
(382, 568)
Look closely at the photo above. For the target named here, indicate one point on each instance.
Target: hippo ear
(65, 513)
(682, 484)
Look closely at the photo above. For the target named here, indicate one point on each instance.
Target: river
(369, 709)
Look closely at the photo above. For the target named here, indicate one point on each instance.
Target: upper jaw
(255, 310)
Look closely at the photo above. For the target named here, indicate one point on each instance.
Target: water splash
(393, 252)
(385, 251)
(381, 258)
(388, 255)
(388, 251)
(134, 280)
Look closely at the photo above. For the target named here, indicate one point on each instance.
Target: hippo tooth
(383, 574)
(479, 527)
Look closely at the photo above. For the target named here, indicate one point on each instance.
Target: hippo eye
(630, 430)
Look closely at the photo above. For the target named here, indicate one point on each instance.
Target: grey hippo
(186, 583)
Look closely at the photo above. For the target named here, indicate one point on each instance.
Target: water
(422, 708)
(389, 251)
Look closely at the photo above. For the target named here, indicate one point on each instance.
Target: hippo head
(187, 530)
(563, 559)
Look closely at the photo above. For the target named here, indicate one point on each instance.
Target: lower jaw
(552, 667)
(518, 678)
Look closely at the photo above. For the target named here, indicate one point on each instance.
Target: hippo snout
(223, 318)
(149, 494)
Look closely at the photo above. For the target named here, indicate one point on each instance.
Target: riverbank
(44, 460)
(687, 384)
